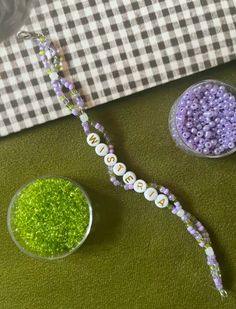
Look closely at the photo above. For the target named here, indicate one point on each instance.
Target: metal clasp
(223, 293)
(26, 35)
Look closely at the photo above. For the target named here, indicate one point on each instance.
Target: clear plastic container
(175, 131)
(21, 242)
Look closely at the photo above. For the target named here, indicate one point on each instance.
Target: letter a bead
(161, 201)
(93, 139)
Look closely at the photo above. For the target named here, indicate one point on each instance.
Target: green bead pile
(49, 217)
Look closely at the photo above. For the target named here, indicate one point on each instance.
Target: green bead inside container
(50, 217)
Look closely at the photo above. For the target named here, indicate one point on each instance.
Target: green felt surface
(137, 256)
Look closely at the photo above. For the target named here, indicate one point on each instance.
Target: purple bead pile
(206, 119)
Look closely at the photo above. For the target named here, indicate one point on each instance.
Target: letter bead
(119, 169)
(110, 159)
(129, 178)
(140, 186)
(150, 194)
(93, 139)
(161, 201)
(101, 149)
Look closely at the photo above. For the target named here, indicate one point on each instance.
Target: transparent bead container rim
(61, 256)
(173, 127)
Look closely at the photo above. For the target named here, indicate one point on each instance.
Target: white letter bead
(140, 186)
(150, 194)
(93, 139)
(83, 117)
(110, 159)
(101, 149)
(129, 178)
(161, 201)
(119, 169)
(209, 251)
(180, 213)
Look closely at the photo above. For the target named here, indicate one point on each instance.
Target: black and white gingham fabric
(112, 49)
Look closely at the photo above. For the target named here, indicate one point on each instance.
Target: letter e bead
(129, 178)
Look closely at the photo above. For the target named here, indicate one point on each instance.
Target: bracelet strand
(98, 138)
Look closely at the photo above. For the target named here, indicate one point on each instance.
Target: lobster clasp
(26, 35)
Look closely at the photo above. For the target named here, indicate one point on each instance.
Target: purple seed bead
(75, 112)
(193, 231)
(206, 128)
(186, 135)
(171, 197)
(99, 127)
(231, 145)
(175, 210)
(71, 86)
(162, 189)
(177, 204)
(189, 229)
(201, 244)
(201, 228)
(43, 58)
(200, 133)
(208, 134)
(218, 283)
(189, 125)
(210, 263)
(208, 145)
(79, 101)
(116, 182)
(166, 191)
(198, 237)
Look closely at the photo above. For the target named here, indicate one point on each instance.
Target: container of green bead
(50, 217)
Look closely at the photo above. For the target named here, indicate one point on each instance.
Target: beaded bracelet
(101, 142)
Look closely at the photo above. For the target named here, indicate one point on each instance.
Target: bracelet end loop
(223, 293)
(26, 35)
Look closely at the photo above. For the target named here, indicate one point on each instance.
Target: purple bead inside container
(203, 119)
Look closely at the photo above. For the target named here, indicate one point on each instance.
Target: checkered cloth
(112, 49)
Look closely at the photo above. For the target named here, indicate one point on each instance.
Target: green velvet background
(137, 256)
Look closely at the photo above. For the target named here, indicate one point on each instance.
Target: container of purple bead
(202, 120)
